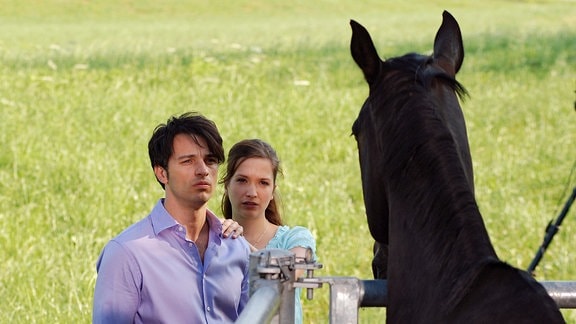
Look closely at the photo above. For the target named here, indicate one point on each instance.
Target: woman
(251, 199)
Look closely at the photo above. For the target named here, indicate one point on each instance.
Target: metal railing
(272, 283)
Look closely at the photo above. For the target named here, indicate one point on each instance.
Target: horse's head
(398, 88)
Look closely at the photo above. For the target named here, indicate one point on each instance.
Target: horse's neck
(433, 207)
(438, 242)
(455, 123)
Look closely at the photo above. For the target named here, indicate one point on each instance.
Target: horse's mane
(421, 158)
(411, 119)
(413, 63)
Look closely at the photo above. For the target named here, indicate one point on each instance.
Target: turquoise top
(287, 238)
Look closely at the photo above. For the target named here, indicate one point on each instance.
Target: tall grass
(82, 85)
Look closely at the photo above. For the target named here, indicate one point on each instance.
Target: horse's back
(503, 294)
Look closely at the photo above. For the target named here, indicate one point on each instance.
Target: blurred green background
(83, 84)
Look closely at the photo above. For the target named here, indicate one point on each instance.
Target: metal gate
(272, 283)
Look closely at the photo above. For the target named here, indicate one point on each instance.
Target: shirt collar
(162, 220)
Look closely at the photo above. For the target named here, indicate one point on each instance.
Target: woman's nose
(251, 191)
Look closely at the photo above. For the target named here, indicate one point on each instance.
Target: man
(174, 266)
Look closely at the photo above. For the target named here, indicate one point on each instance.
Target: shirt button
(208, 308)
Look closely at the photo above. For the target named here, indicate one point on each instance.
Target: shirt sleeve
(299, 236)
(116, 295)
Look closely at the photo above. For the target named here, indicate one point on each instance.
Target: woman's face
(251, 188)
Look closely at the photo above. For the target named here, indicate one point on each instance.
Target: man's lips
(202, 184)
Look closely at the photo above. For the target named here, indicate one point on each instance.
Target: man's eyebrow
(185, 156)
(193, 155)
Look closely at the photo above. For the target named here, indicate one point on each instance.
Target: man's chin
(203, 197)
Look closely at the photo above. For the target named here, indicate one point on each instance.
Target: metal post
(263, 305)
(345, 294)
(273, 271)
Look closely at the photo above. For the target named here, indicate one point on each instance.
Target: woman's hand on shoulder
(231, 228)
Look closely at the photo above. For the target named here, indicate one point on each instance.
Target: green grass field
(83, 84)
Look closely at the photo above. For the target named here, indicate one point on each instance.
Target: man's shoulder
(139, 229)
(238, 244)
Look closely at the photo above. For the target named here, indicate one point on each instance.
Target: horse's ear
(364, 52)
(448, 47)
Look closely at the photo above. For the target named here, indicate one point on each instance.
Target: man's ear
(161, 174)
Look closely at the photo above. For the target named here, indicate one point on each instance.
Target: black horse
(418, 186)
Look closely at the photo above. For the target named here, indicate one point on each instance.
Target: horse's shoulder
(467, 281)
(493, 284)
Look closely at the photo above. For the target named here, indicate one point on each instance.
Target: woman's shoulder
(288, 237)
(285, 230)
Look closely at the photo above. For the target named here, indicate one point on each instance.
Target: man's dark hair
(160, 146)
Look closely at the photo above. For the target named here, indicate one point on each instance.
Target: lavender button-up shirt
(151, 273)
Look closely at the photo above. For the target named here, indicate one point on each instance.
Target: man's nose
(202, 169)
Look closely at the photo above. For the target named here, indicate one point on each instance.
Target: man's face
(192, 172)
